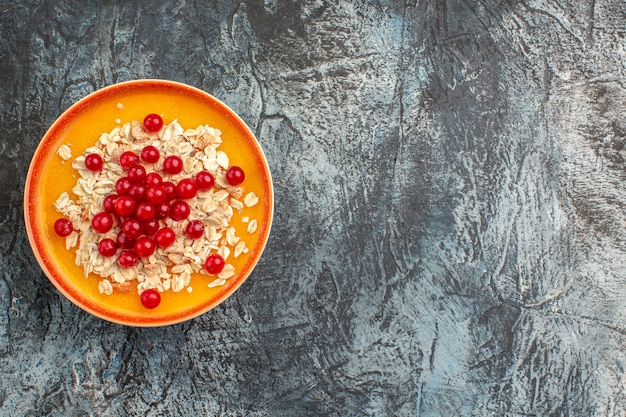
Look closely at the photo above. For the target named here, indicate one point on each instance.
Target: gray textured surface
(449, 237)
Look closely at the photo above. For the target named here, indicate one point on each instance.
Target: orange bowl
(80, 127)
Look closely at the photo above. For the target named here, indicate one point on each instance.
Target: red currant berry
(144, 246)
(172, 164)
(150, 299)
(132, 228)
(151, 227)
(63, 227)
(162, 211)
(128, 159)
(214, 264)
(194, 229)
(136, 174)
(179, 210)
(102, 222)
(137, 192)
(122, 186)
(170, 190)
(156, 194)
(164, 237)
(186, 189)
(235, 175)
(109, 203)
(153, 123)
(127, 259)
(107, 247)
(145, 212)
(93, 162)
(124, 205)
(124, 241)
(150, 154)
(153, 179)
(205, 180)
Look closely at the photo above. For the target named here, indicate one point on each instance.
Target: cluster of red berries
(141, 200)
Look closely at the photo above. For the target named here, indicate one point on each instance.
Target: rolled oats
(250, 200)
(227, 272)
(231, 236)
(64, 152)
(218, 282)
(224, 252)
(220, 195)
(252, 226)
(172, 267)
(105, 287)
(71, 240)
(239, 248)
(236, 204)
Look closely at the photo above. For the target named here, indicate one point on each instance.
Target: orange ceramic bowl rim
(36, 236)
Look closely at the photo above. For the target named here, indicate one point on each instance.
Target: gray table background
(449, 237)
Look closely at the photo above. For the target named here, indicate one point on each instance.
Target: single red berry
(235, 175)
(153, 178)
(136, 174)
(194, 229)
(124, 205)
(151, 227)
(150, 154)
(172, 164)
(162, 211)
(127, 259)
(156, 194)
(107, 247)
(150, 299)
(102, 222)
(122, 186)
(144, 246)
(145, 212)
(137, 192)
(128, 159)
(205, 180)
(132, 228)
(170, 190)
(164, 237)
(186, 189)
(153, 123)
(63, 227)
(179, 210)
(214, 264)
(93, 162)
(124, 241)
(108, 204)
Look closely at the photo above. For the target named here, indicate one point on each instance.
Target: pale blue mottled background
(449, 237)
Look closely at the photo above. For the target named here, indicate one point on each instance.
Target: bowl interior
(79, 128)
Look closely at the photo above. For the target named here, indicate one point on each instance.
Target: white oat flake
(227, 272)
(64, 152)
(252, 226)
(239, 249)
(71, 240)
(250, 200)
(105, 287)
(217, 282)
(224, 252)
